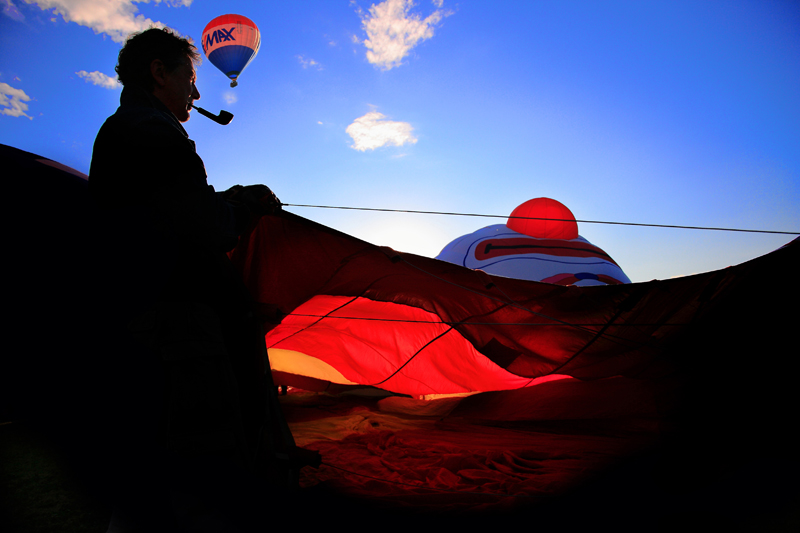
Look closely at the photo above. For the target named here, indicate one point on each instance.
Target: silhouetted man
(182, 404)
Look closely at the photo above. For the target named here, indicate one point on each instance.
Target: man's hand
(263, 195)
(258, 198)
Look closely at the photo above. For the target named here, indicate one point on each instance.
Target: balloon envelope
(230, 42)
(354, 313)
(544, 245)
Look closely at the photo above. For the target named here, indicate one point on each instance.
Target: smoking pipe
(223, 118)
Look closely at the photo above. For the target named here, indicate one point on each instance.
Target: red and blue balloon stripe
(231, 42)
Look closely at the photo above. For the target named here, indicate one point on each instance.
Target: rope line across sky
(418, 212)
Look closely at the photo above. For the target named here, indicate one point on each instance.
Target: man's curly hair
(141, 48)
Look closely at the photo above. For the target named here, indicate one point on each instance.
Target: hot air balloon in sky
(231, 42)
(543, 245)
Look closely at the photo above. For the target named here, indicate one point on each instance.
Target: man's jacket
(147, 178)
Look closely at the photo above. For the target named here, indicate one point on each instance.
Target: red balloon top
(230, 19)
(563, 227)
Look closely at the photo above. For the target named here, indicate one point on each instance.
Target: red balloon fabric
(549, 219)
(355, 313)
(358, 341)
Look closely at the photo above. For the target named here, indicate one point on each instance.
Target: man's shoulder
(143, 126)
(139, 114)
(141, 117)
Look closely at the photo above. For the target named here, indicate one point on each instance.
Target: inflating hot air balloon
(230, 42)
(626, 355)
(545, 246)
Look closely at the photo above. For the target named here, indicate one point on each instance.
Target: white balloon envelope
(550, 249)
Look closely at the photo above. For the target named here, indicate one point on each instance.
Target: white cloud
(392, 32)
(230, 97)
(309, 63)
(11, 11)
(12, 101)
(115, 18)
(98, 78)
(371, 131)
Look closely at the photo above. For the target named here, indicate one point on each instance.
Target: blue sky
(673, 112)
